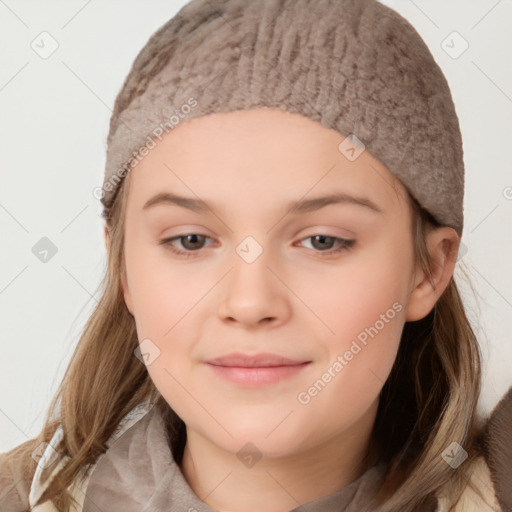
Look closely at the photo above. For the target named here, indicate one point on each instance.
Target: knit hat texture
(355, 66)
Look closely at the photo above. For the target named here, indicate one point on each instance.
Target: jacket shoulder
(479, 495)
(17, 468)
(498, 449)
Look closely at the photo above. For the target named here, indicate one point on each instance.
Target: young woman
(279, 328)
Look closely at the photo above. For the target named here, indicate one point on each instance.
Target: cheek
(363, 306)
(164, 298)
(360, 358)
(365, 290)
(162, 293)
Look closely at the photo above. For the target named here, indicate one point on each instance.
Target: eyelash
(345, 245)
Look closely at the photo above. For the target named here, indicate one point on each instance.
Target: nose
(254, 294)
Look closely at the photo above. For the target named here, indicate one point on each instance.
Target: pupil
(322, 238)
(194, 239)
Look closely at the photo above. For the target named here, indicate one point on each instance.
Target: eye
(325, 240)
(193, 242)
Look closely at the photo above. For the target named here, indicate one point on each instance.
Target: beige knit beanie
(355, 66)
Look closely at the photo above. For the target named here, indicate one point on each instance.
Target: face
(326, 285)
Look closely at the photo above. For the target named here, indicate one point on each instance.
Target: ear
(107, 238)
(443, 245)
(124, 284)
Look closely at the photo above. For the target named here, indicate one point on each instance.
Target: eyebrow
(296, 207)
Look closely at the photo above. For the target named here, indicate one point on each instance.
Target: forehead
(259, 156)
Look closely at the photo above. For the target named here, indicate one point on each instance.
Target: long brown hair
(428, 402)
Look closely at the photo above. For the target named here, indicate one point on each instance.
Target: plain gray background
(53, 126)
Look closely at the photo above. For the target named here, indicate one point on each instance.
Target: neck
(278, 484)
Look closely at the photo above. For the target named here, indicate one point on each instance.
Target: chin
(263, 437)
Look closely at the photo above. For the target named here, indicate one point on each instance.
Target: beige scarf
(138, 473)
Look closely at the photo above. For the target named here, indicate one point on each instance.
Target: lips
(256, 370)
(262, 360)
